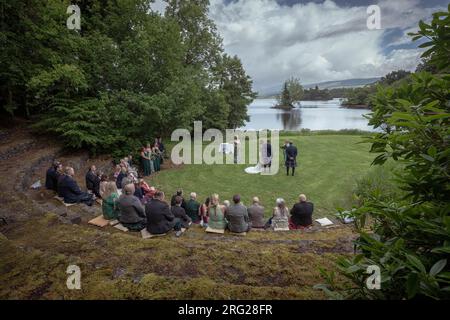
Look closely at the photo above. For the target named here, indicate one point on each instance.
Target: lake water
(313, 115)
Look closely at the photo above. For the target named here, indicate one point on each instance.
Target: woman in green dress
(110, 202)
(157, 158)
(150, 155)
(145, 158)
(216, 214)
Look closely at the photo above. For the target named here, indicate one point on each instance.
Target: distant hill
(349, 83)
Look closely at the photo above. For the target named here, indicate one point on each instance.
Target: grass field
(327, 168)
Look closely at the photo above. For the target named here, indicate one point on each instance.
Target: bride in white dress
(258, 168)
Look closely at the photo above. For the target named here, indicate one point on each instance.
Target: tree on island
(292, 93)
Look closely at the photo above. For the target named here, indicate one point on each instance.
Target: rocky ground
(40, 238)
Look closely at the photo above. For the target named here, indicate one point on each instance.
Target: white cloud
(314, 41)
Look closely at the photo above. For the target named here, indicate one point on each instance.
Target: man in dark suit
(51, 178)
(132, 214)
(180, 213)
(301, 213)
(159, 217)
(93, 181)
(70, 191)
(291, 158)
(180, 194)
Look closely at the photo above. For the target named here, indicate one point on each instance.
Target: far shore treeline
(128, 75)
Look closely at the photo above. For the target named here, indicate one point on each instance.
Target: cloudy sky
(319, 40)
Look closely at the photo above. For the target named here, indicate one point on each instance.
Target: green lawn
(327, 168)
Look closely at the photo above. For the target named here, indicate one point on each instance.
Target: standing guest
(180, 213)
(156, 156)
(216, 214)
(132, 214)
(120, 177)
(192, 208)
(301, 214)
(110, 203)
(161, 147)
(150, 155)
(51, 178)
(204, 212)
(256, 214)
(103, 183)
(280, 218)
(237, 216)
(70, 191)
(291, 158)
(145, 159)
(159, 217)
(179, 193)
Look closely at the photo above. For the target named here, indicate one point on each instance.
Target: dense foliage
(129, 74)
(407, 234)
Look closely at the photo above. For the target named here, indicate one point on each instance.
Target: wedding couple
(265, 158)
(290, 158)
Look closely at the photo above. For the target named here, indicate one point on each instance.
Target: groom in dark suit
(291, 158)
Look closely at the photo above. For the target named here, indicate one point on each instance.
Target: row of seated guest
(156, 216)
(238, 218)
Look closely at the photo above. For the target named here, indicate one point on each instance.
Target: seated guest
(117, 171)
(138, 191)
(192, 208)
(122, 174)
(216, 214)
(159, 217)
(144, 187)
(256, 214)
(110, 203)
(179, 193)
(70, 191)
(129, 179)
(51, 178)
(103, 183)
(132, 214)
(93, 181)
(180, 213)
(280, 218)
(204, 212)
(226, 203)
(301, 214)
(237, 216)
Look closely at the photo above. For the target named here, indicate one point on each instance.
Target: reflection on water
(291, 120)
(314, 115)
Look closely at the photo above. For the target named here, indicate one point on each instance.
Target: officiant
(291, 158)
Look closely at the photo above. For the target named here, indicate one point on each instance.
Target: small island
(291, 94)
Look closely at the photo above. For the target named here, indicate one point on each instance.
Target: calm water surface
(313, 115)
